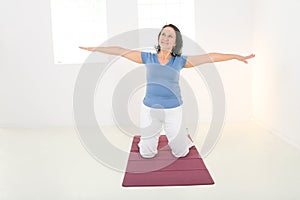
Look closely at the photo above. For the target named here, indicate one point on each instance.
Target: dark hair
(176, 51)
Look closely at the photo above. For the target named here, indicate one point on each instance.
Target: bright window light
(77, 23)
(156, 13)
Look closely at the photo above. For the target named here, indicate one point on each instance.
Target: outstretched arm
(193, 61)
(132, 55)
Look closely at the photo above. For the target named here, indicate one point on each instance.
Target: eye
(170, 36)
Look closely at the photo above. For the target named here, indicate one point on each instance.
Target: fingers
(248, 57)
(85, 48)
(88, 48)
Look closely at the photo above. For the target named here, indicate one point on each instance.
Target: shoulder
(148, 56)
(180, 60)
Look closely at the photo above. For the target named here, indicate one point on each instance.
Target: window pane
(156, 13)
(76, 23)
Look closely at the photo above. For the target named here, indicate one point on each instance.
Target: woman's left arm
(193, 61)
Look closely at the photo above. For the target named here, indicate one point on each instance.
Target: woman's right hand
(89, 48)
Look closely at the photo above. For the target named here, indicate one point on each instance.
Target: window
(156, 13)
(77, 23)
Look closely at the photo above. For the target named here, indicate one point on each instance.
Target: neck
(164, 53)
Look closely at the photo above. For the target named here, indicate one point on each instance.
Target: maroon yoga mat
(164, 169)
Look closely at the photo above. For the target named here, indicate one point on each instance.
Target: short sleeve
(146, 56)
(183, 60)
(180, 62)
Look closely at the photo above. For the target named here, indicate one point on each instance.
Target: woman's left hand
(245, 58)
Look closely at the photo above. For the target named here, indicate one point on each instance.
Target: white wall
(34, 91)
(227, 27)
(276, 93)
(37, 93)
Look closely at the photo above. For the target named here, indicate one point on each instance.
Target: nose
(164, 38)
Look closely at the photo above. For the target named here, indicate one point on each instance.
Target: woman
(162, 105)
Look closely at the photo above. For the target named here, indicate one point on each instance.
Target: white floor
(248, 163)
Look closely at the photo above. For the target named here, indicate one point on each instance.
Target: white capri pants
(152, 120)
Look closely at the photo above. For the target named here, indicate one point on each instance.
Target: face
(167, 39)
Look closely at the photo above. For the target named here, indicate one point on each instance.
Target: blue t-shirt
(163, 89)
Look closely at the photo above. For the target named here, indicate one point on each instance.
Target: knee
(147, 149)
(147, 155)
(180, 154)
(180, 148)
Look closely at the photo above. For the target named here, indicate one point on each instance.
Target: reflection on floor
(248, 162)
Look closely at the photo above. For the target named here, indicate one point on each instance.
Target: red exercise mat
(164, 169)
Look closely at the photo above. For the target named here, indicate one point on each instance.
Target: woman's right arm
(133, 55)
